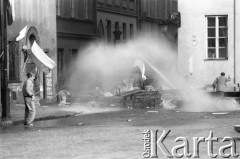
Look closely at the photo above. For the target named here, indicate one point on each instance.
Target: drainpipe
(234, 40)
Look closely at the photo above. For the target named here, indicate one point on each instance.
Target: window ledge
(219, 59)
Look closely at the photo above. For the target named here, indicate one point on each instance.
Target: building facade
(39, 19)
(208, 40)
(116, 20)
(76, 27)
(161, 16)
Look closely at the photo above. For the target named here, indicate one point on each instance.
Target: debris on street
(152, 111)
(167, 101)
(63, 98)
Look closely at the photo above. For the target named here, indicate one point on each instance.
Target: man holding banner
(45, 64)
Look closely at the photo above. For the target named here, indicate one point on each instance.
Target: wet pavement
(113, 135)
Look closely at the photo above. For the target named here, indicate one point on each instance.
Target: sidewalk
(49, 112)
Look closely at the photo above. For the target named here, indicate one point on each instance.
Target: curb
(51, 117)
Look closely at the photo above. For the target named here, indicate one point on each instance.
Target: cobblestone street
(115, 135)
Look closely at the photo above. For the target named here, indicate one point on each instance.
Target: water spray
(160, 74)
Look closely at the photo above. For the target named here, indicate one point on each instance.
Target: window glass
(222, 42)
(222, 32)
(223, 53)
(222, 21)
(211, 22)
(211, 42)
(211, 32)
(211, 53)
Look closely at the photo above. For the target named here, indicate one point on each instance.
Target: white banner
(41, 60)
(22, 33)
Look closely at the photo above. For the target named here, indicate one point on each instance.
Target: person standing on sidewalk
(28, 94)
(220, 84)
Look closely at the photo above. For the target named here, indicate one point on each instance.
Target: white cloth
(41, 60)
(22, 33)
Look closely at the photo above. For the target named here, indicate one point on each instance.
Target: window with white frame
(217, 37)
